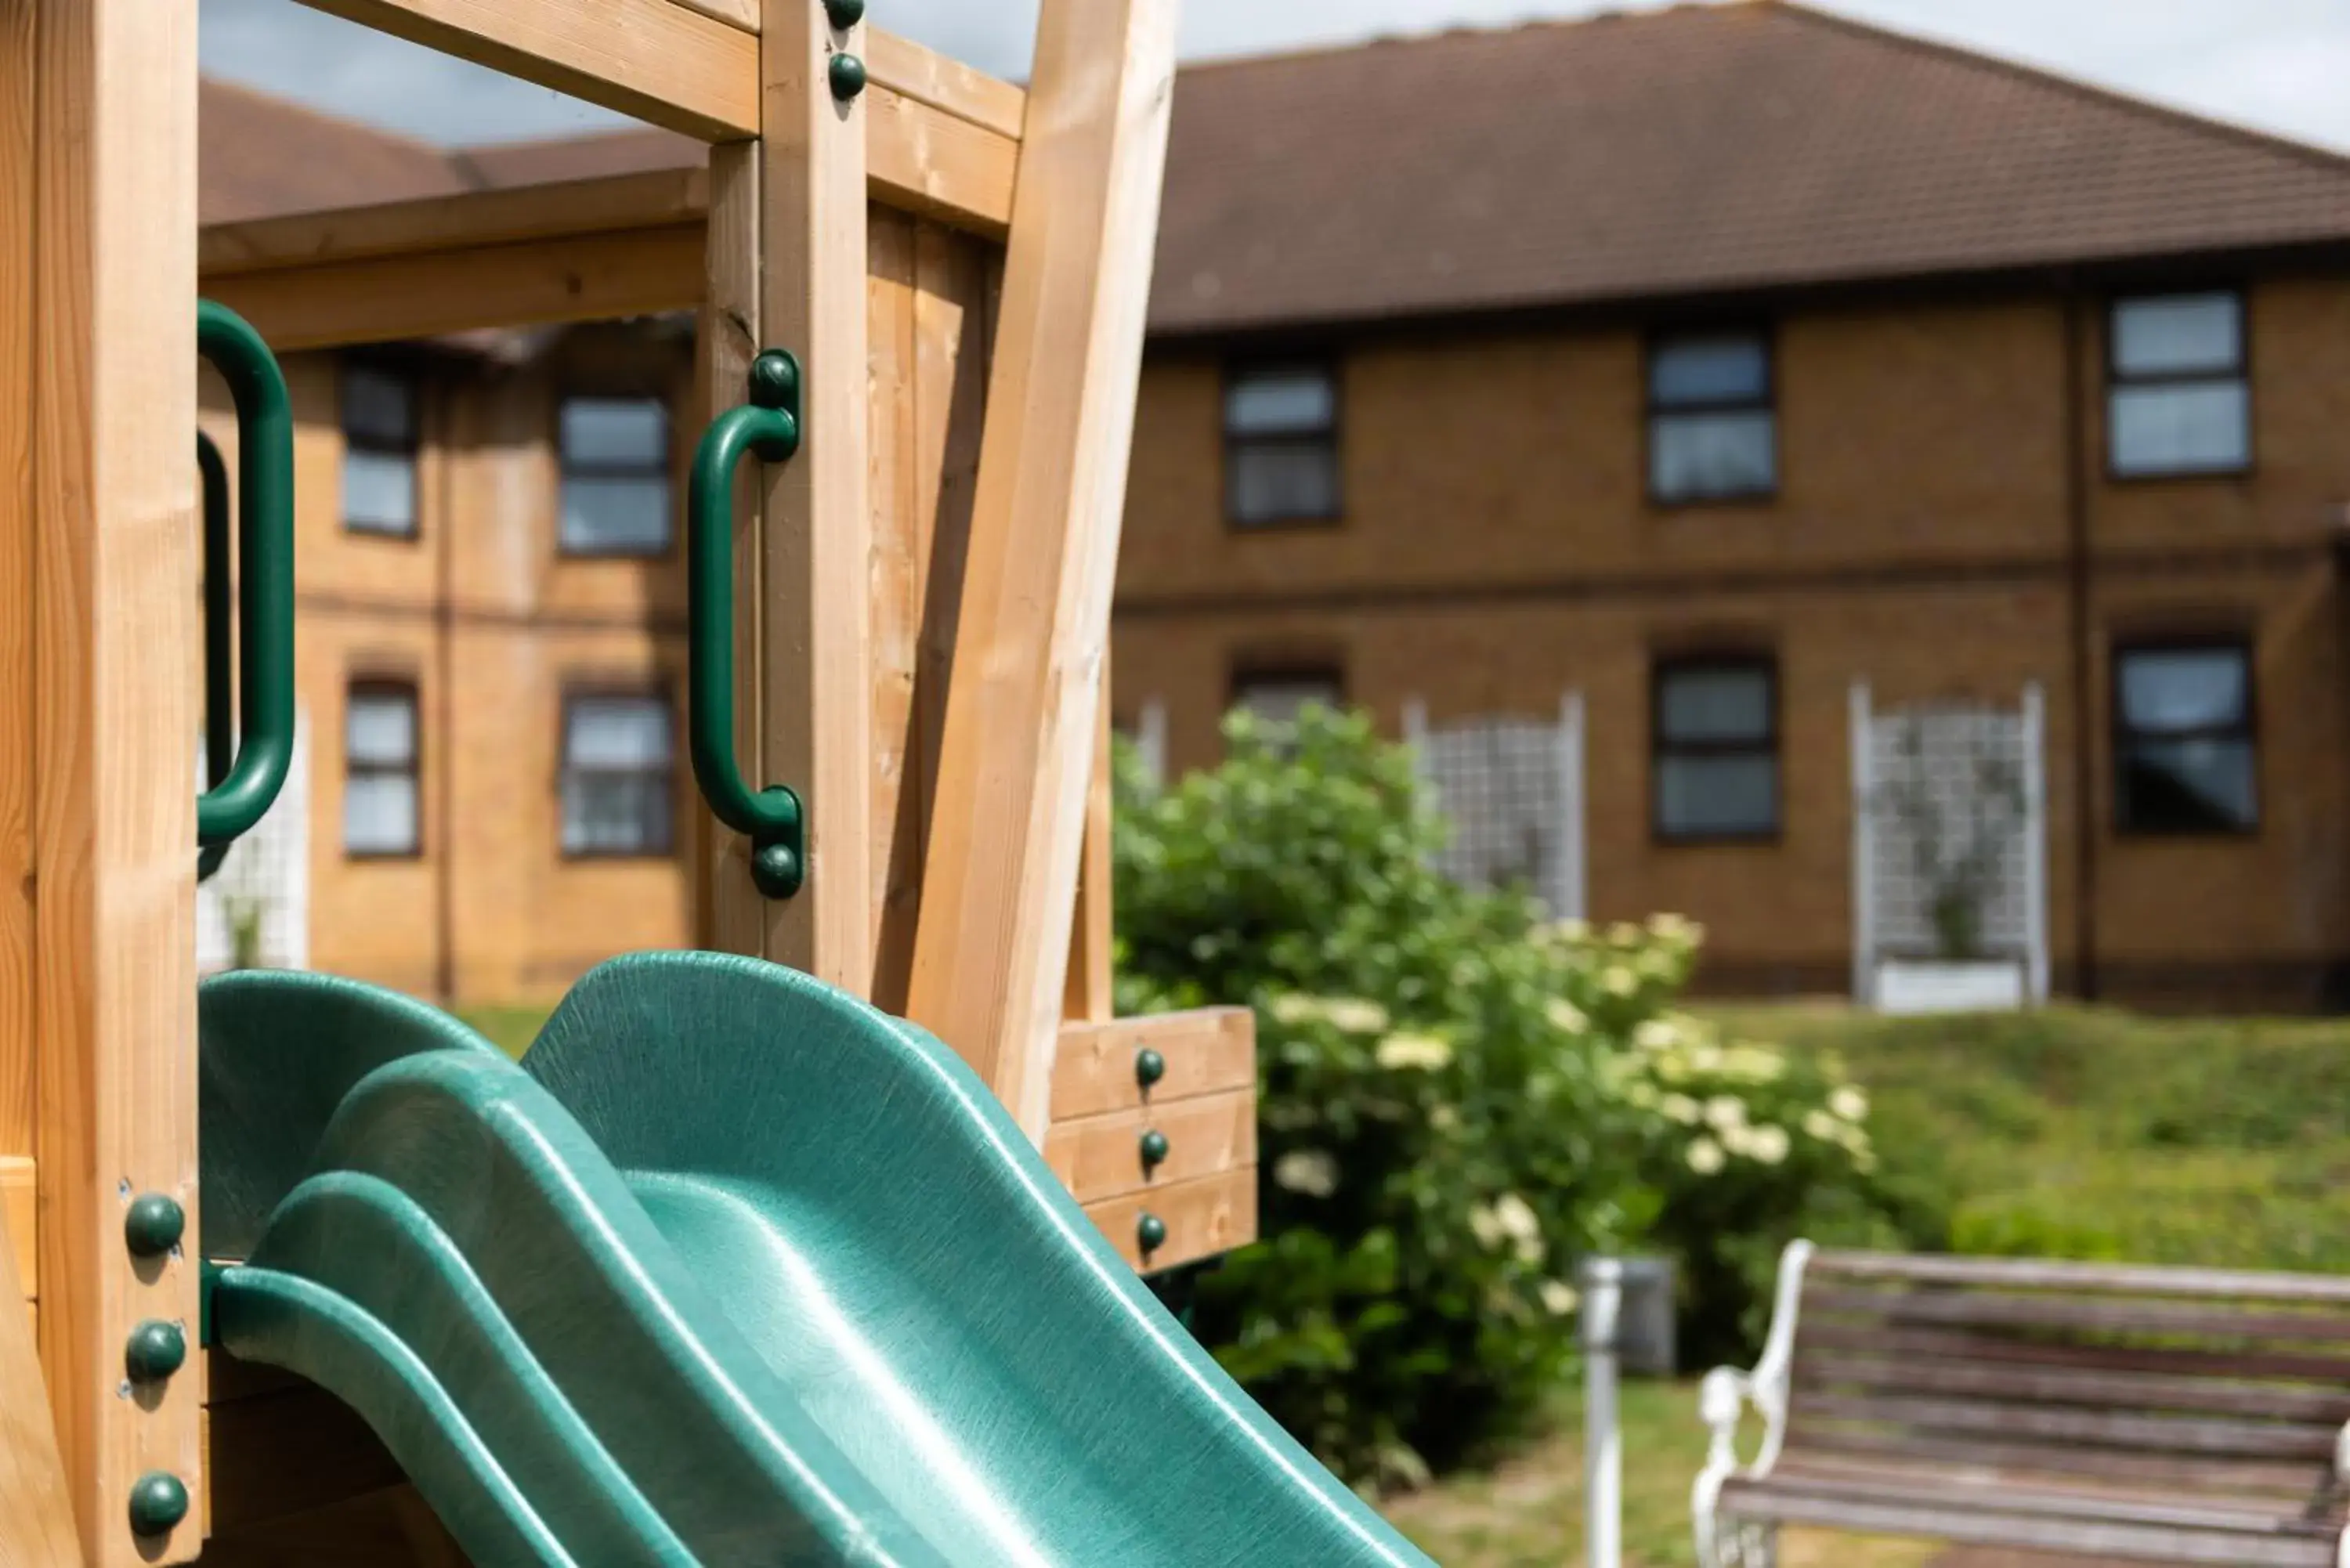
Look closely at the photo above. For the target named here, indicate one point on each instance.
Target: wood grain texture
(392, 1528)
(1101, 1158)
(36, 1518)
(930, 162)
(728, 342)
(1090, 995)
(386, 299)
(743, 14)
(1204, 1219)
(818, 640)
(1206, 1052)
(16, 757)
(115, 628)
(2025, 1274)
(654, 60)
(909, 71)
(1000, 888)
(19, 1196)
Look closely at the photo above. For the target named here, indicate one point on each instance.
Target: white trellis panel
(267, 870)
(1513, 790)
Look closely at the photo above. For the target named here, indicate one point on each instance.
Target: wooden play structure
(920, 602)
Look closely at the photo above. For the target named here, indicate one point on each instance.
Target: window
(2185, 757)
(1716, 765)
(2179, 402)
(378, 451)
(1713, 432)
(1276, 697)
(616, 479)
(1281, 445)
(618, 797)
(379, 794)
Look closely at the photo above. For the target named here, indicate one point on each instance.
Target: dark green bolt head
(776, 869)
(156, 1350)
(158, 1502)
(1154, 1149)
(844, 13)
(153, 1225)
(775, 379)
(1151, 1231)
(847, 77)
(1149, 1066)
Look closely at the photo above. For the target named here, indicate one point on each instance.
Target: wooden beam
(114, 386)
(1101, 1156)
(1000, 887)
(1205, 1053)
(927, 78)
(1091, 996)
(930, 164)
(818, 640)
(37, 1517)
(19, 1200)
(18, 758)
(532, 283)
(1204, 1219)
(654, 60)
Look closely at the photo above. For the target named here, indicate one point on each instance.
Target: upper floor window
(619, 796)
(1713, 435)
(1276, 697)
(379, 451)
(1281, 444)
(2178, 402)
(2185, 758)
(1716, 749)
(380, 819)
(616, 493)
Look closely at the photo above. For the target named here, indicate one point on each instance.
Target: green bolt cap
(844, 13)
(847, 77)
(1149, 1066)
(1154, 1149)
(774, 380)
(777, 871)
(156, 1350)
(153, 1225)
(1151, 1233)
(158, 1502)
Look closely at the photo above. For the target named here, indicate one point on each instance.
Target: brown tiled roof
(1698, 149)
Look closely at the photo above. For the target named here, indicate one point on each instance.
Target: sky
(2277, 65)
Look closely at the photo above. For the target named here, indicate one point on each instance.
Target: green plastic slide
(732, 1270)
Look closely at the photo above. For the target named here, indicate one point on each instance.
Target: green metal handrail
(264, 451)
(219, 712)
(773, 818)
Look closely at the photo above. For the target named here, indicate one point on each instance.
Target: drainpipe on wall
(2087, 818)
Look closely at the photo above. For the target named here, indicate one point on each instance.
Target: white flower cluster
(1510, 1223)
(1312, 1171)
(1350, 1013)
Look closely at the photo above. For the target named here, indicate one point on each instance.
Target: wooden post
(114, 390)
(1090, 997)
(817, 595)
(16, 755)
(1001, 882)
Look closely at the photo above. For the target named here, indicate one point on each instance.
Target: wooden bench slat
(2067, 1385)
(1970, 1307)
(2210, 1514)
(2283, 1479)
(1928, 1267)
(2284, 1490)
(2152, 1434)
(2006, 1347)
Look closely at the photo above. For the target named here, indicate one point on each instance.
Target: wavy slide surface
(732, 1270)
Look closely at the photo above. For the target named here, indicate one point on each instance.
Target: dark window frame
(407, 689)
(565, 469)
(2123, 736)
(1326, 366)
(1766, 333)
(411, 449)
(659, 691)
(1661, 671)
(2118, 380)
(1248, 672)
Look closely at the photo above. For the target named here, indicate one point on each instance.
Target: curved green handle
(769, 426)
(264, 451)
(219, 712)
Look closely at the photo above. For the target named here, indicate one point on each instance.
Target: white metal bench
(2164, 1415)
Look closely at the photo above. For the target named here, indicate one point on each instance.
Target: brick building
(1626, 402)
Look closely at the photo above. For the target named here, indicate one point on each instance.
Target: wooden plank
(651, 59)
(115, 625)
(1996, 1347)
(819, 524)
(1977, 1308)
(531, 283)
(17, 763)
(1204, 1219)
(930, 163)
(999, 893)
(2262, 1486)
(37, 1517)
(657, 199)
(2220, 1395)
(901, 562)
(2026, 1274)
(1205, 1051)
(2099, 1428)
(19, 1193)
(1101, 1156)
(392, 1528)
(906, 68)
(728, 342)
(2221, 1513)
(1981, 1526)
(743, 14)
(1091, 995)
(290, 1451)
(1807, 1445)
